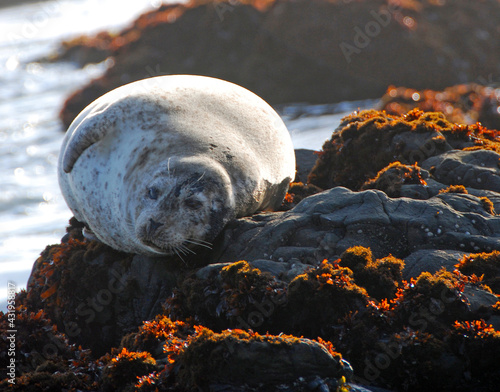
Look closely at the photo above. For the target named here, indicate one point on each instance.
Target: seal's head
(182, 208)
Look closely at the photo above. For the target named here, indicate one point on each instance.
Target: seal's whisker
(200, 241)
(185, 248)
(205, 244)
(178, 254)
(168, 167)
(129, 224)
(199, 179)
(181, 250)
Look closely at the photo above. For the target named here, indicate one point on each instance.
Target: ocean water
(33, 213)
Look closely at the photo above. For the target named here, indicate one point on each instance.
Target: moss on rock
(392, 177)
(409, 139)
(485, 265)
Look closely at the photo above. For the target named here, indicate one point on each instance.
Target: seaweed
(408, 139)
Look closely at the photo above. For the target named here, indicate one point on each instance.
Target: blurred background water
(32, 211)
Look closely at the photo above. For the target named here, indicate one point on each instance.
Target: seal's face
(180, 213)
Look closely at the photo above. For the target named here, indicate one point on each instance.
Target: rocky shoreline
(344, 288)
(379, 273)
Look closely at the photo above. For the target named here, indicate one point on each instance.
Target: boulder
(316, 51)
(405, 287)
(326, 224)
(477, 169)
(241, 358)
(430, 260)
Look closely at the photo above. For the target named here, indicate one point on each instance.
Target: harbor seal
(159, 166)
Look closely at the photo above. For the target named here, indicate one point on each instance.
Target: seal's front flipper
(89, 234)
(89, 130)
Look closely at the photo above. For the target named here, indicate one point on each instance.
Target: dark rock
(313, 51)
(328, 223)
(84, 50)
(430, 260)
(329, 268)
(477, 169)
(410, 139)
(305, 162)
(95, 294)
(240, 358)
(285, 271)
(478, 298)
(391, 179)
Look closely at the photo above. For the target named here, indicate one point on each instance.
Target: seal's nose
(153, 226)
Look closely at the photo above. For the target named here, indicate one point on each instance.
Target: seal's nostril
(153, 226)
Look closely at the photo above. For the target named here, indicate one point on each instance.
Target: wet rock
(285, 271)
(305, 162)
(392, 178)
(484, 265)
(477, 169)
(430, 260)
(332, 221)
(330, 267)
(478, 298)
(410, 139)
(85, 49)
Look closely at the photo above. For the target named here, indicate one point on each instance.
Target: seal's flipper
(89, 234)
(83, 134)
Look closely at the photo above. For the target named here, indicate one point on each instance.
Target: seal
(159, 166)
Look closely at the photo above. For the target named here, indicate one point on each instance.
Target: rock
(484, 265)
(314, 51)
(328, 223)
(477, 169)
(392, 178)
(478, 298)
(430, 260)
(84, 49)
(285, 271)
(464, 103)
(305, 162)
(330, 267)
(410, 139)
(239, 358)
(95, 294)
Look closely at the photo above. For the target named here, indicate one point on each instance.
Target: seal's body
(160, 165)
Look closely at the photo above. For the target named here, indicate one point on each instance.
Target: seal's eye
(153, 193)
(193, 203)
